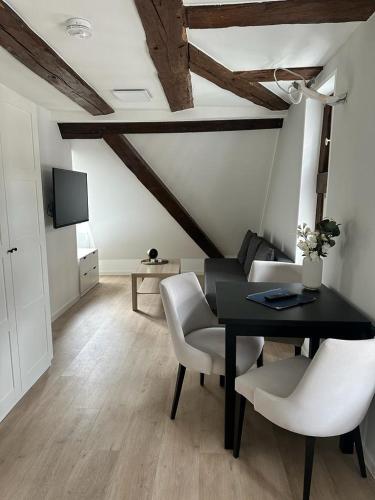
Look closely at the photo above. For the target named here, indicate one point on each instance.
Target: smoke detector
(78, 27)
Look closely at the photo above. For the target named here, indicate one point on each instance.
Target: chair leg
(238, 424)
(309, 461)
(260, 360)
(202, 379)
(297, 350)
(359, 450)
(177, 391)
(222, 380)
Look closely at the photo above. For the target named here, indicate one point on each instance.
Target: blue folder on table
(285, 303)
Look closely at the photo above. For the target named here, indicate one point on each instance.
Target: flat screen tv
(70, 202)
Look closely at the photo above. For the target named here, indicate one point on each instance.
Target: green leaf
(329, 227)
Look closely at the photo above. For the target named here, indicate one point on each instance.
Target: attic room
(187, 288)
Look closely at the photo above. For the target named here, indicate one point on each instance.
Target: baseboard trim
(64, 308)
(370, 461)
(117, 267)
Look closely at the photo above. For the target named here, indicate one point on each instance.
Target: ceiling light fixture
(78, 27)
(299, 89)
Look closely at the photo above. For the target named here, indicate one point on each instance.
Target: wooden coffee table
(157, 272)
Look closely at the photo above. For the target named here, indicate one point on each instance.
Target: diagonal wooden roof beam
(144, 173)
(26, 46)
(271, 13)
(163, 23)
(267, 75)
(206, 67)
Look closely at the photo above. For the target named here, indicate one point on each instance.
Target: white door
(27, 236)
(10, 388)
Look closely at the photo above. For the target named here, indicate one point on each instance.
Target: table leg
(230, 395)
(313, 346)
(134, 293)
(347, 443)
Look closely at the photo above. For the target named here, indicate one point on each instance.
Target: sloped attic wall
(349, 268)
(281, 211)
(219, 177)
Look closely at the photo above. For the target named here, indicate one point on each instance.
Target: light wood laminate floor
(96, 425)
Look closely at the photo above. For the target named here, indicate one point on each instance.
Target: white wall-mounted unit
(88, 261)
(25, 318)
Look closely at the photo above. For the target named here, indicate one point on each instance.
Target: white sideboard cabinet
(88, 263)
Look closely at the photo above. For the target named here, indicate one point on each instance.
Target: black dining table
(329, 316)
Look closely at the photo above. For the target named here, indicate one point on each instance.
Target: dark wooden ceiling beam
(267, 75)
(96, 130)
(286, 12)
(144, 173)
(163, 23)
(26, 46)
(206, 67)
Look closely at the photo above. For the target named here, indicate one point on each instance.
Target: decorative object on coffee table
(152, 258)
(152, 253)
(315, 245)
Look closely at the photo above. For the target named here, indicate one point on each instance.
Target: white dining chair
(326, 396)
(198, 340)
(278, 272)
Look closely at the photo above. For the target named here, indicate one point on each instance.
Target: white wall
(310, 163)
(281, 212)
(61, 243)
(350, 266)
(219, 177)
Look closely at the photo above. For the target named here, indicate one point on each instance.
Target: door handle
(11, 250)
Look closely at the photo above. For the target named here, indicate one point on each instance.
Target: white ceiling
(116, 57)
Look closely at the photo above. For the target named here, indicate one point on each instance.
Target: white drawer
(88, 269)
(88, 280)
(85, 283)
(95, 269)
(94, 261)
(90, 261)
(94, 276)
(85, 264)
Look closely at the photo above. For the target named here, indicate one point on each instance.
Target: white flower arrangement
(316, 244)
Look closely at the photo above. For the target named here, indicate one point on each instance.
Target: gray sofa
(253, 247)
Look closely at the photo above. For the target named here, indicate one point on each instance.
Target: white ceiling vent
(132, 95)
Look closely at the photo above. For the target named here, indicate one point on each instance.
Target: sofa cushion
(254, 244)
(265, 252)
(220, 270)
(245, 245)
(281, 257)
